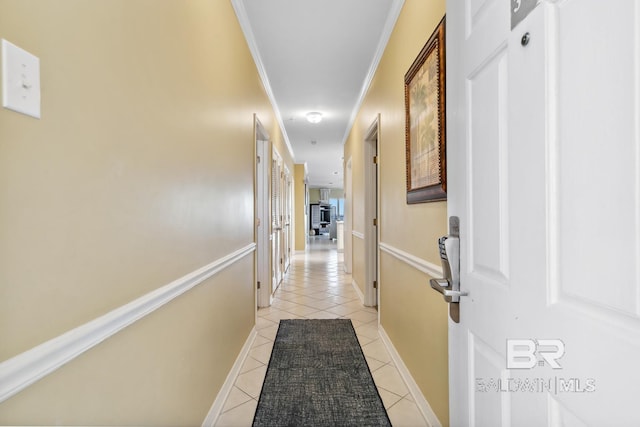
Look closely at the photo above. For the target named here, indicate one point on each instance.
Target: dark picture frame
(425, 122)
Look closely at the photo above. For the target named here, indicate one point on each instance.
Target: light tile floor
(316, 287)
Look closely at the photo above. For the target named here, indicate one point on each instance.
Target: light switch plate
(20, 80)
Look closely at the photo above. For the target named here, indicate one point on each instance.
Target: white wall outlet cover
(20, 80)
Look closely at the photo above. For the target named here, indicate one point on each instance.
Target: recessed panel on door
(489, 403)
(598, 148)
(488, 114)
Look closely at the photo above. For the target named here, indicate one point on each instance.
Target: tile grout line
(314, 280)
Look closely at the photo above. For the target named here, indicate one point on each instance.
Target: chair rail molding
(425, 266)
(26, 368)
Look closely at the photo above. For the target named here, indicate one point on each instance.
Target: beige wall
(314, 194)
(139, 172)
(412, 315)
(354, 150)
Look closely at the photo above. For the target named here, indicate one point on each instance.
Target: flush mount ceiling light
(314, 117)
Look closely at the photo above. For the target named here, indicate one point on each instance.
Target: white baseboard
(221, 398)
(358, 291)
(424, 407)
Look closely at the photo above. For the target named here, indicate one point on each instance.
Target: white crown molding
(422, 403)
(245, 25)
(394, 13)
(26, 368)
(425, 266)
(223, 394)
(357, 234)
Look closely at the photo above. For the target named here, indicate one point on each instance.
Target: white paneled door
(277, 221)
(263, 226)
(287, 210)
(543, 163)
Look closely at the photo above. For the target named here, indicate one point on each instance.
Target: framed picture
(425, 139)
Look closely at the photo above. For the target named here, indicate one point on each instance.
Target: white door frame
(288, 218)
(371, 215)
(276, 220)
(261, 233)
(348, 218)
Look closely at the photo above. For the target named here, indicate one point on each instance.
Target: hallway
(316, 287)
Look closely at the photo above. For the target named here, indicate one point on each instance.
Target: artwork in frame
(425, 136)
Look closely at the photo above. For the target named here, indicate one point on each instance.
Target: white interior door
(262, 223)
(276, 220)
(287, 214)
(544, 173)
(371, 237)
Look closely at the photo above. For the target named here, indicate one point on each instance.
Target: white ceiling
(317, 55)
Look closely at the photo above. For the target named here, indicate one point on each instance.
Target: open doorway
(348, 219)
(278, 215)
(261, 233)
(371, 236)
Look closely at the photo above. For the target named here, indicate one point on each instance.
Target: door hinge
(258, 159)
(375, 284)
(375, 160)
(281, 261)
(258, 285)
(375, 222)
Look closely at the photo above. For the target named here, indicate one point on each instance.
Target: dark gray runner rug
(318, 376)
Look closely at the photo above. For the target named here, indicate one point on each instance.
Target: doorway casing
(348, 218)
(371, 217)
(262, 223)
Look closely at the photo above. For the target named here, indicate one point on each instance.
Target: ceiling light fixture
(314, 117)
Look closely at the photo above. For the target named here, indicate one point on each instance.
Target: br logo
(527, 353)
